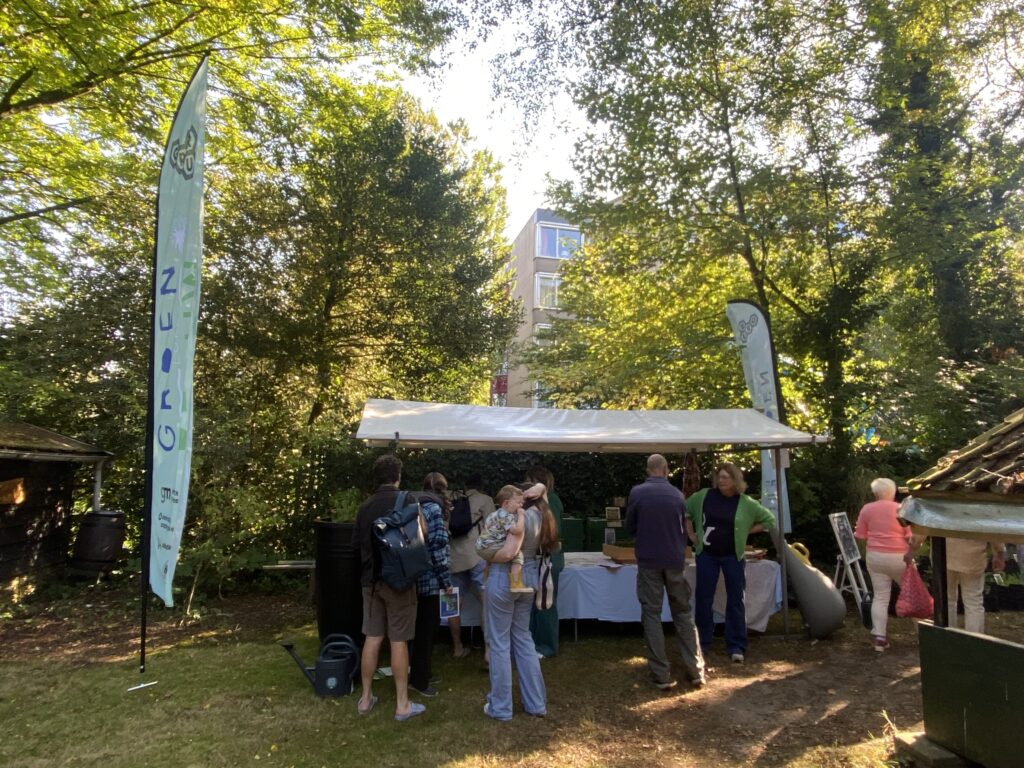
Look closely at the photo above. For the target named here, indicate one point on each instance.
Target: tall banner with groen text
(177, 262)
(754, 340)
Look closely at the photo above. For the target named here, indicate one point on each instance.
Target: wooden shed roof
(989, 468)
(24, 441)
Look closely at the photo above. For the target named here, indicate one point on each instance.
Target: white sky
(463, 90)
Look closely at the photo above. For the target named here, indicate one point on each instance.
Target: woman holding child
(508, 604)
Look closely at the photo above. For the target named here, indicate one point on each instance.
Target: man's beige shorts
(387, 612)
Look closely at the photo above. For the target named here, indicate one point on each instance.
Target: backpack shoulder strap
(400, 501)
(483, 516)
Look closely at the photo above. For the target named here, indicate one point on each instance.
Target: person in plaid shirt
(429, 584)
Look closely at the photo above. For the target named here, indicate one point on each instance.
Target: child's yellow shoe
(515, 583)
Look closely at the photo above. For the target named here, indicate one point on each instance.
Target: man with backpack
(467, 568)
(387, 611)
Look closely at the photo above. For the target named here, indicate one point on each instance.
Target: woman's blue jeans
(508, 638)
(734, 573)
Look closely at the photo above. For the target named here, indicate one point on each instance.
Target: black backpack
(461, 522)
(401, 549)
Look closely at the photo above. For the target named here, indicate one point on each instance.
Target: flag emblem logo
(746, 327)
(183, 155)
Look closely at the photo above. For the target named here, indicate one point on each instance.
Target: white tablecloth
(593, 587)
(589, 589)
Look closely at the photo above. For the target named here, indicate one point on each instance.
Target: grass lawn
(228, 695)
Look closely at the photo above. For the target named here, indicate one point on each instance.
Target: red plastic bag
(914, 600)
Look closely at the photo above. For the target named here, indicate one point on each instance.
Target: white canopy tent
(413, 424)
(475, 427)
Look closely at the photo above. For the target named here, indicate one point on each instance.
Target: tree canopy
(353, 248)
(854, 167)
(86, 91)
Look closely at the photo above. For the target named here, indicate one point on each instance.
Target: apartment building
(538, 252)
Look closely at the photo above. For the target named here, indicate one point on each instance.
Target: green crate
(595, 533)
(572, 534)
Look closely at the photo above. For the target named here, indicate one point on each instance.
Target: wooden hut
(972, 685)
(37, 472)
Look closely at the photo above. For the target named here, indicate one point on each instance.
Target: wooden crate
(620, 554)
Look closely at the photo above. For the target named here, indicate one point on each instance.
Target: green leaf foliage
(88, 90)
(854, 168)
(352, 249)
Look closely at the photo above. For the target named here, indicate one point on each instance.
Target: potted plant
(344, 504)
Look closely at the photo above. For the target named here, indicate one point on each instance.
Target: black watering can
(336, 666)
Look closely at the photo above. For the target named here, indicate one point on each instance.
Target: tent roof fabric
(443, 425)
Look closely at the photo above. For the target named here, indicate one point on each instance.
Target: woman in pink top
(888, 551)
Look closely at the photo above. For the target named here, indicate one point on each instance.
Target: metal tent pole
(780, 542)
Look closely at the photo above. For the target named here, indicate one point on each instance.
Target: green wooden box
(973, 691)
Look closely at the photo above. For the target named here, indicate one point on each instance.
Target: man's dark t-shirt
(720, 523)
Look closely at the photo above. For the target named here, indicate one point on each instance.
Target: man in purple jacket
(655, 516)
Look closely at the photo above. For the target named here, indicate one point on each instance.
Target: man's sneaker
(435, 680)
(666, 686)
(737, 658)
(881, 643)
(430, 691)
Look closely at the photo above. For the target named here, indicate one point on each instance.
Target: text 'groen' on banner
(177, 266)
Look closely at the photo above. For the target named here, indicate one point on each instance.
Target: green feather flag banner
(754, 340)
(176, 272)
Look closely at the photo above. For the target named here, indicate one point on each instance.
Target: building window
(537, 328)
(557, 242)
(541, 396)
(546, 290)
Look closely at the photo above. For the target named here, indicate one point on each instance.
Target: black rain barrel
(99, 542)
(339, 596)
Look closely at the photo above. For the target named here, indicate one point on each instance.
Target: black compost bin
(339, 596)
(99, 542)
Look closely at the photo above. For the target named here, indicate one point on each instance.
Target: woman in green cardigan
(723, 517)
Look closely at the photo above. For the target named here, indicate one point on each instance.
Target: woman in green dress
(544, 624)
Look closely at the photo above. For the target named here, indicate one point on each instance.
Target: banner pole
(147, 505)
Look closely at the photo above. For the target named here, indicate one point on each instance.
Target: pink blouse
(877, 524)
